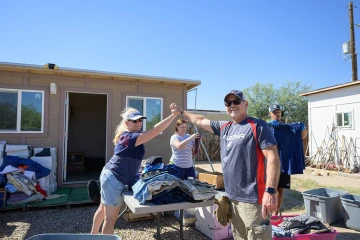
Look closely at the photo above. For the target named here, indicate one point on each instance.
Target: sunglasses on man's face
(135, 121)
(235, 102)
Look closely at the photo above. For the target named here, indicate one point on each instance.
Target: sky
(227, 44)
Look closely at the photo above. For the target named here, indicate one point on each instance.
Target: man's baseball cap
(134, 116)
(274, 107)
(239, 94)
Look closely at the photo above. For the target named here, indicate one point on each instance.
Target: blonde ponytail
(122, 126)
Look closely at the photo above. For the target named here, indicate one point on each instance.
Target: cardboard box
(132, 217)
(207, 224)
(215, 178)
(128, 216)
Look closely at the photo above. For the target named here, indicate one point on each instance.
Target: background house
(77, 112)
(334, 123)
(215, 115)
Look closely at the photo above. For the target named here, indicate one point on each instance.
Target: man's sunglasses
(135, 121)
(235, 102)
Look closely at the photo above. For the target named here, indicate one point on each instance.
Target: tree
(30, 118)
(293, 106)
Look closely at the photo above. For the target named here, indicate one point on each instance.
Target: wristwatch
(270, 190)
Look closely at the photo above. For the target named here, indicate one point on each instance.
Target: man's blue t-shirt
(241, 157)
(290, 147)
(127, 158)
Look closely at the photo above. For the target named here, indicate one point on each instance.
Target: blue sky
(225, 44)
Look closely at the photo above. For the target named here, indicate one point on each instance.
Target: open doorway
(85, 146)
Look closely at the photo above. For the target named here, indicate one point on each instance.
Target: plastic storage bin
(315, 236)
(64, 236)
(325, 204)
(351, 205)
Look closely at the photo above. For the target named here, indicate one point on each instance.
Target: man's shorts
(284, 181)
(111, 189)
(247, 221)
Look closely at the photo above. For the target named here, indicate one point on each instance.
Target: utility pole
(352, 44)
(195, 95)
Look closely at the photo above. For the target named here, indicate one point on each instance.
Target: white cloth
(9, 169)
(30, 174)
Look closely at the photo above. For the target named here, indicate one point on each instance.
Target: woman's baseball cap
(134, 116)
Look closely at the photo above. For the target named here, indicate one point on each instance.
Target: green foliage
(293, 106)
(8, 116)
(154, 120)
(30, 118)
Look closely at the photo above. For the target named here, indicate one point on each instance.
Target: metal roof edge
(95, 72)
(331, 88)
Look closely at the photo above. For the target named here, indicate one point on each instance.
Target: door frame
(108, 148)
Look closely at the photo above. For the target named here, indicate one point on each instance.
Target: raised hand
(175, 109)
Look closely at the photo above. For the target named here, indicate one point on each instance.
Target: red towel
(40, 190)
(196, 145)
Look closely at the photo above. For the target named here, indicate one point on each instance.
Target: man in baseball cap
(244, 142)
(275, 114)
(284, 179)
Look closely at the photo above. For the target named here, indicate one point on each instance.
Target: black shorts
(284, 180)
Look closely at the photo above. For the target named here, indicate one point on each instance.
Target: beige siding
(116, 90)
(60, 82)
(7, 79)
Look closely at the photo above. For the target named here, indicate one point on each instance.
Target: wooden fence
(212, 144)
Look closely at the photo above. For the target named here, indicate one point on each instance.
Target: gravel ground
(15, 224)
(22, 225)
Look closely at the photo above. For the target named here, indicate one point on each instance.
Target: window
(148, 107)
(343, 119)
(21, 111)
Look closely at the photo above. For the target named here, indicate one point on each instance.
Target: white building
(335, 108)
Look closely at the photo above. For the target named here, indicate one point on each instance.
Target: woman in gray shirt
(181, 145)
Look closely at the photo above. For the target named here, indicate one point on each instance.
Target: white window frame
(351, 118)
(18, 117)
(144, 106)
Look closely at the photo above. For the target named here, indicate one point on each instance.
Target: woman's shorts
(111, 189)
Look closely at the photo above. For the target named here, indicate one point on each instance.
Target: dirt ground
(320, 177)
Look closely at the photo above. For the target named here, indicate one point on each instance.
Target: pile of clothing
(302, 224)
(19, 178)
(161, 186)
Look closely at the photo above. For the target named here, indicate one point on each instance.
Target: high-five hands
(175, 109)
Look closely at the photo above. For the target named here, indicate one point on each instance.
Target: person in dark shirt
(244, 142)
(123, 167)
(280, 130)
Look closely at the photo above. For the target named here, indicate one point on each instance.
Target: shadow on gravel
(345, 235)
(169, 228)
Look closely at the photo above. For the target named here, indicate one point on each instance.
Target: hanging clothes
(290, 147)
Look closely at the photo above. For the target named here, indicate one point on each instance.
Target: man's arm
(304, 134)
(272, 179)
(196, 119)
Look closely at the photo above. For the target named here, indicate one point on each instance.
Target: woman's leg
(111, 215)
(111, 200)
(98, 219)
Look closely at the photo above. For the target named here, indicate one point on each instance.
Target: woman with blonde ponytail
(122, 168)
